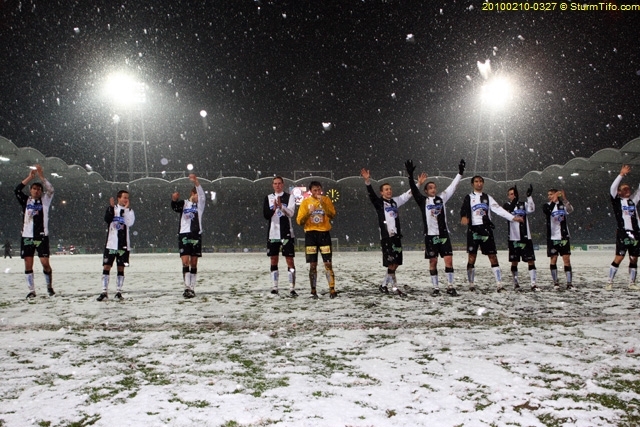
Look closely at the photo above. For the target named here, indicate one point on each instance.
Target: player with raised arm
(386, 207)
(436, 232)
(35, 227)
(520, 243)
(558, 243)
(190, 233)
(119, 217)
(627, 230)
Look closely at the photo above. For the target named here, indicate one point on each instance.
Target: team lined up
(315, 214)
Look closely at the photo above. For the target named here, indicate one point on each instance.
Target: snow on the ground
(237, 356)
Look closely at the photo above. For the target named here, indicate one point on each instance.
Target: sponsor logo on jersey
(558, 215)
(480, 209)
(191, 212)
(34, 208)
(435, 210)
(392, 211)
(629, 210)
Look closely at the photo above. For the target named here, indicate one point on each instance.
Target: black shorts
(521, 250)
(391, 251)
(29, 247)
(437, 245)
(120, 256)
(190, 244)
(275, 246)
(558, 247)
(627, 240)
(315, 241)
(481, 236)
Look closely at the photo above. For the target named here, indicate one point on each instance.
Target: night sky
(396, 79)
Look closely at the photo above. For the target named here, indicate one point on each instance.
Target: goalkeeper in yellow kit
(315, 215)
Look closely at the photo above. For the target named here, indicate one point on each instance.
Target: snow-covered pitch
(238, 356)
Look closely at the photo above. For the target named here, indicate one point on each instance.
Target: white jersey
(516, 228)
(557, 219)
(626, 209)
(189, 211)
(433, 208)
(118, 234)
(391, 211)
(36, 213)
(287, 209)
(479, 209)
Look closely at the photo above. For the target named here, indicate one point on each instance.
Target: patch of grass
(191, 404)
(253, 376)
(551, 421)
(622, 384)
(428, 387)
(630, 416)
(86, 420)
(98, 394)
(365, 405)
(153, 377)
(482, 403)
(45, 379)
(546, 369)
(128, 382)
(573, 381)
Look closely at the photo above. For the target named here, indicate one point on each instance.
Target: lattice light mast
(129, 97)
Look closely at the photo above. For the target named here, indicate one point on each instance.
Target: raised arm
(616, 182)
(568, 207)
(366, 175)
(415, 189)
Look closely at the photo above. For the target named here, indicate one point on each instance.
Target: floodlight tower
(491, 142)
(129, 96)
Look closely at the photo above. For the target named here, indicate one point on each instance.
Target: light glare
(496, 93)
(123, 89)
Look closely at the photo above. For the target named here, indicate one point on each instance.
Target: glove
(515, 193)
(530, 190)
(461, 166)
(410, 167)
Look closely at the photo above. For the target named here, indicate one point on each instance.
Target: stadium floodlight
(496, 92)
(129, 95)
(495, 95)
(125, 90)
